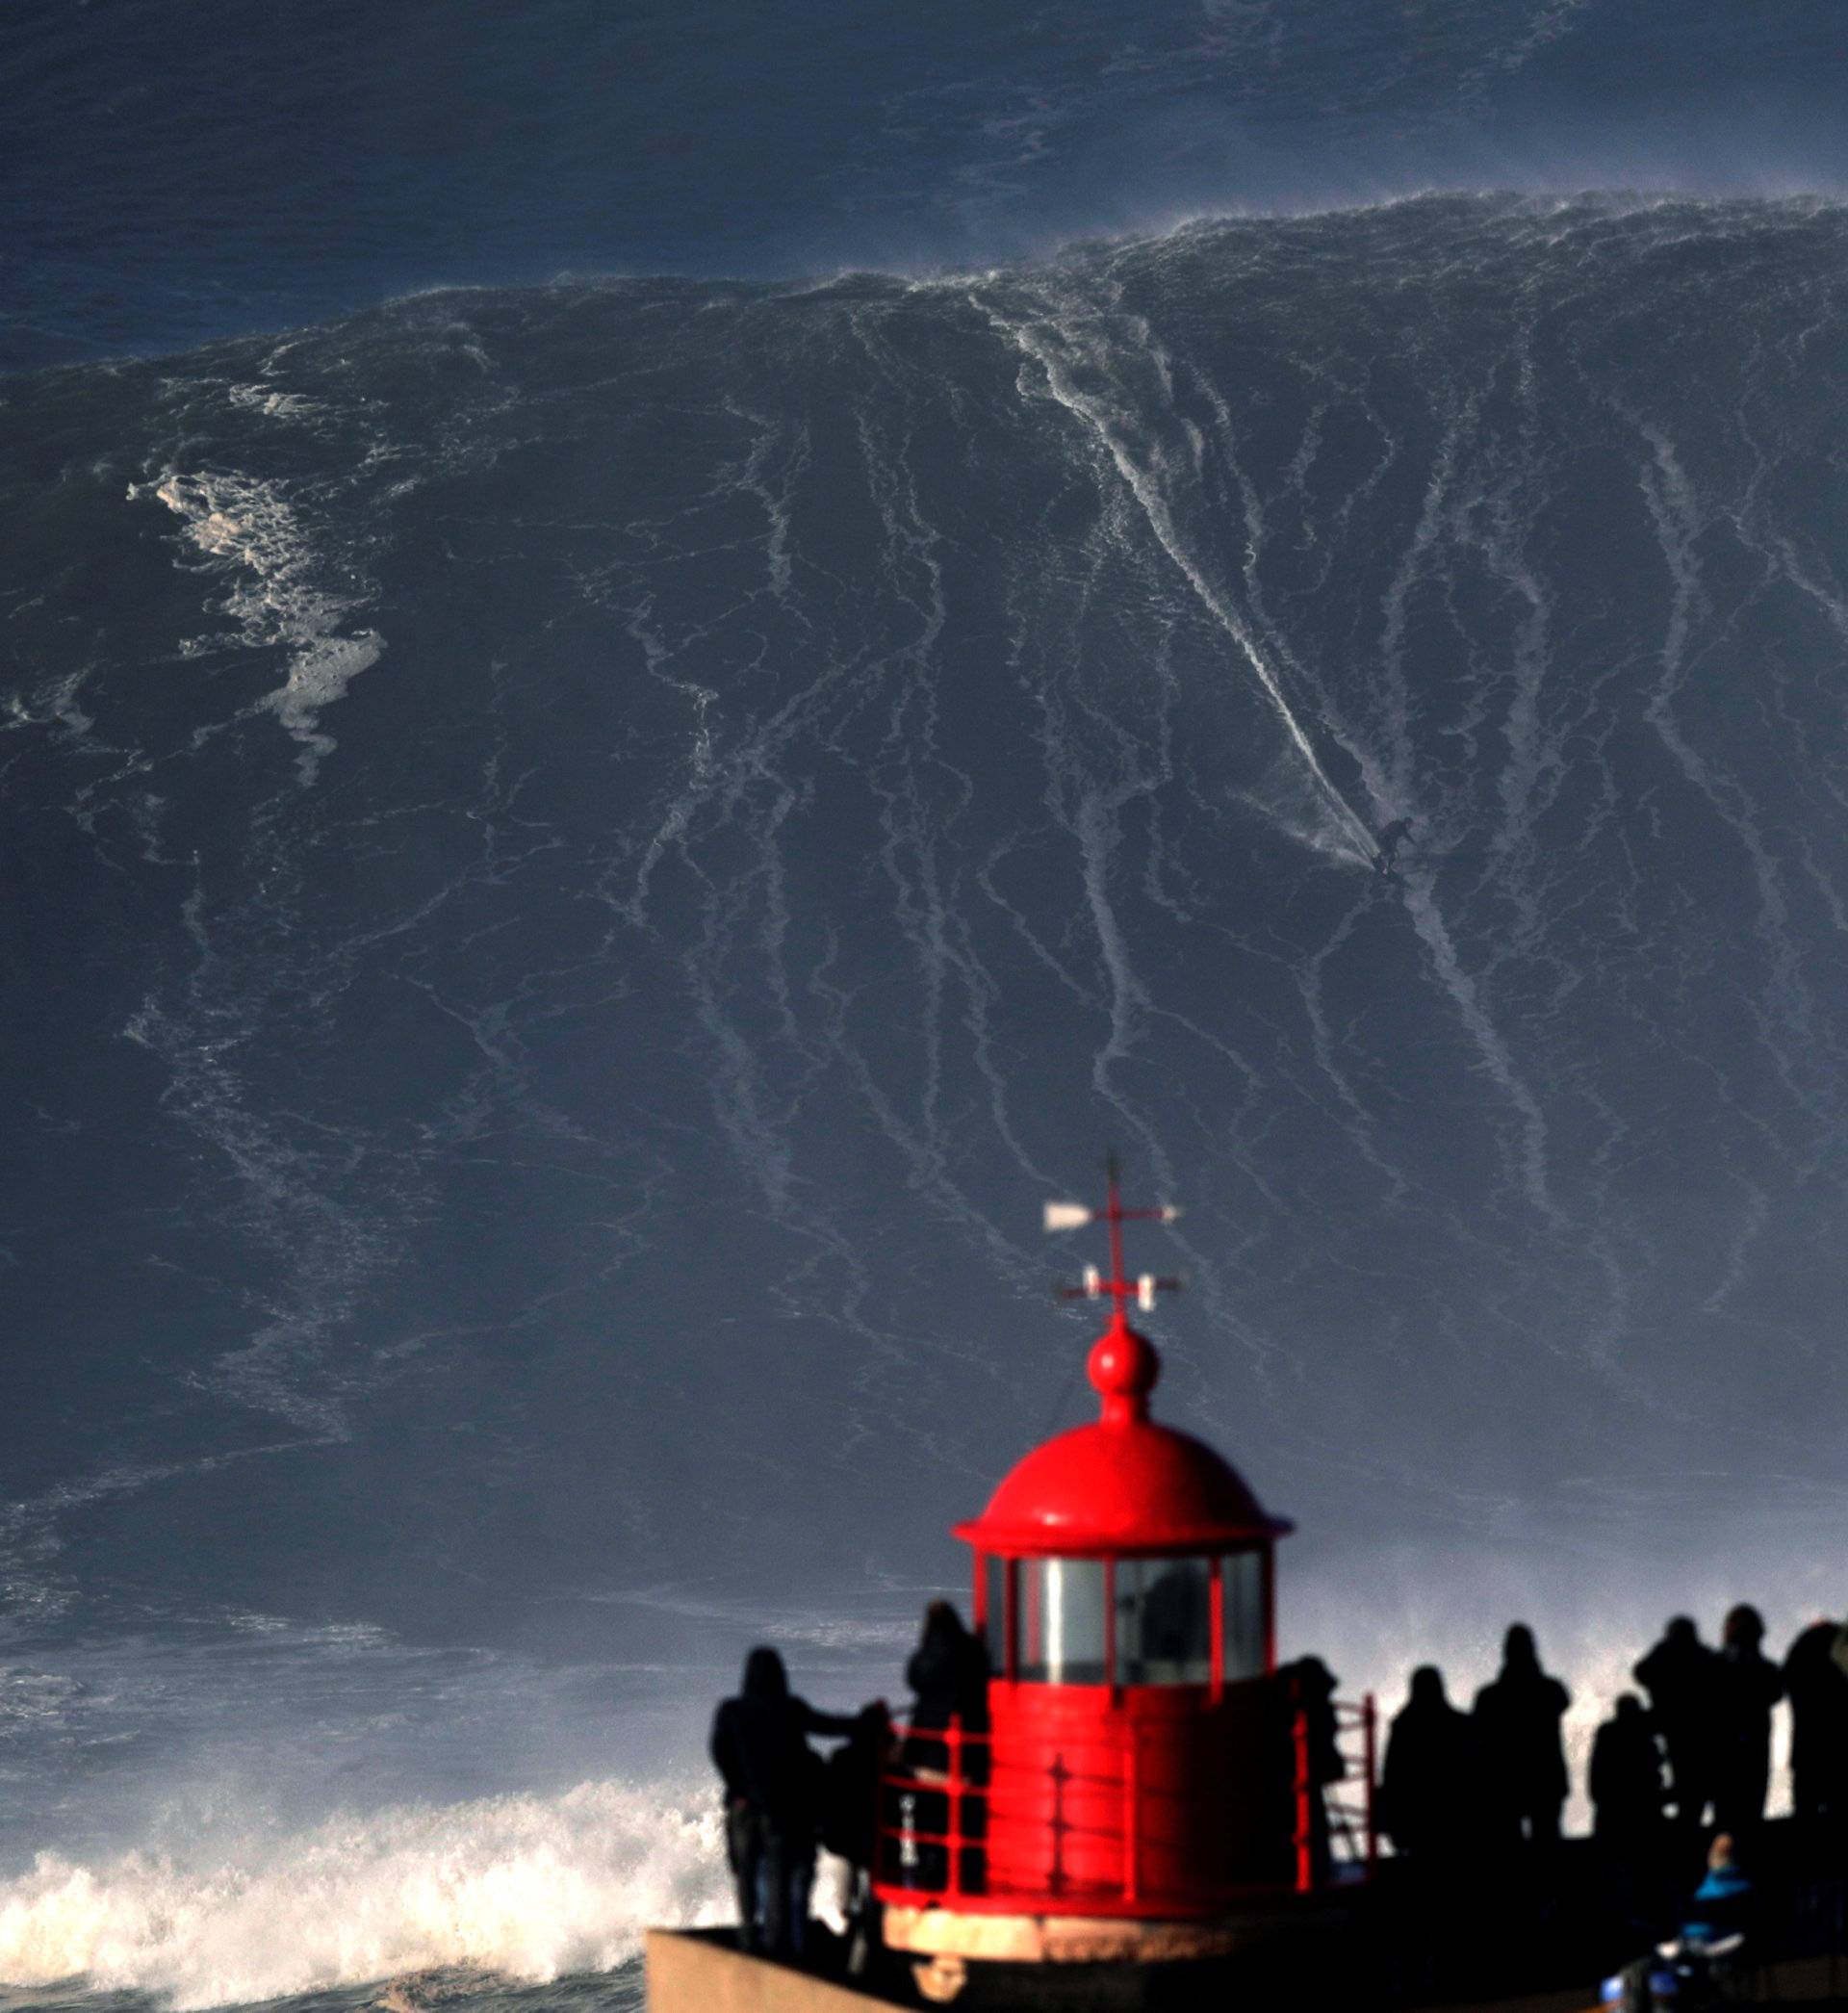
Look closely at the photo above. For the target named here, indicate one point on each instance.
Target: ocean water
(584, 851)
(179, 173)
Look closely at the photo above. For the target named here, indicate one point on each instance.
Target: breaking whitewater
(463, 1902)
(581, 860)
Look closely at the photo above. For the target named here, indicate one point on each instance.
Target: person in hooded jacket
(1681, 1675)
(1310, 1688)
(1517, 1722)
(1818, 1687)
(948, 1673)
(1749, 1685)
(1626, 1794)
(1427, 1788)
(773, 1794)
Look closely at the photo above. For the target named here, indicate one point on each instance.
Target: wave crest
(526, 1886)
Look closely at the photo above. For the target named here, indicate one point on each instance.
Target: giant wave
(582, 858)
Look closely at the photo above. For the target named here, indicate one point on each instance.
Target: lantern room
(1137, 1773)
(1123, 1553)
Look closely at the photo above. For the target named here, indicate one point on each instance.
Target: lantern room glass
(1165, 1621)
(1246, 1631)
(1062, 1615)
(994, 1613)
(1133, 1621)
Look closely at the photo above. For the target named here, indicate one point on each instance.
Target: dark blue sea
(659, 665)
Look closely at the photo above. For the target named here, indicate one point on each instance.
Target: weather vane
(1118, 1286)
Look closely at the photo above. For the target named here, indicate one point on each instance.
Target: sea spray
(529, 1887)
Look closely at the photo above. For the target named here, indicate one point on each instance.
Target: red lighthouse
(1143, 1781)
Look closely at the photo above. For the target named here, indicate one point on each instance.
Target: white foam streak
(1448, 967)
(1056, 347)
(525, 1886)
(250, 531)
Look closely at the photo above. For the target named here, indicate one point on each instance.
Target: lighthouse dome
(1124, 1486)
(1120, 1488)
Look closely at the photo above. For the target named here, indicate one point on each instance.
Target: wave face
(581, 859)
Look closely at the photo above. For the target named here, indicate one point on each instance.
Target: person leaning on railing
(773, 1796)
(949, 1674)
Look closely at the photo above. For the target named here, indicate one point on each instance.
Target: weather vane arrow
(1118, 1286)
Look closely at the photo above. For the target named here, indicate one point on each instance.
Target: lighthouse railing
(925, 1858)
(1353, 1831)
(950, 1802)
(934, 1830)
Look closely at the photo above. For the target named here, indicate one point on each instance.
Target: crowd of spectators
(1685, 1762)
(1691, 1754)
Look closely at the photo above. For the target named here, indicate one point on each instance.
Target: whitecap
(253, 534)
(528, 1886)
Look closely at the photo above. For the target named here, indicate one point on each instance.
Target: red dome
(1122, 1487)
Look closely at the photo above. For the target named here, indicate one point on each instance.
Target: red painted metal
(1132, 1820)
(958, 1774)
(1084, 1831)
(1089, 1825)
(1216, 1621)
(1151, 1799)
(1124, 1490)
(1119, 1286)
(1305, 1787)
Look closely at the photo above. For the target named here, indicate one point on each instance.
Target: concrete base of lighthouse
(951, 1952)
(1056, 1939)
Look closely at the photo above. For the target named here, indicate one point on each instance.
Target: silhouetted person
(850, 1797)
(1391, 840)
(773, 1781)
(1681, 1675)
(1517, 1723)
(1311, 1689)
(1626, 1794)
(1749, 1685)
(949, 1674)
(1817, 1686)
(1427, 1789)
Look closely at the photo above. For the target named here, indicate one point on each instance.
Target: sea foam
(276, 592)
(529, 1887)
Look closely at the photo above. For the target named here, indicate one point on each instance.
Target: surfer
(1391, 840)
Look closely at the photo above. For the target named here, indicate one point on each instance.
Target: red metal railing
(900, 1790)
(983, 1795)
(1351, 1811)
(1337, 1841)
(950, 1862)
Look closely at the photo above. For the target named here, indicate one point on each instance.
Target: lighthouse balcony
(1148, 1805)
